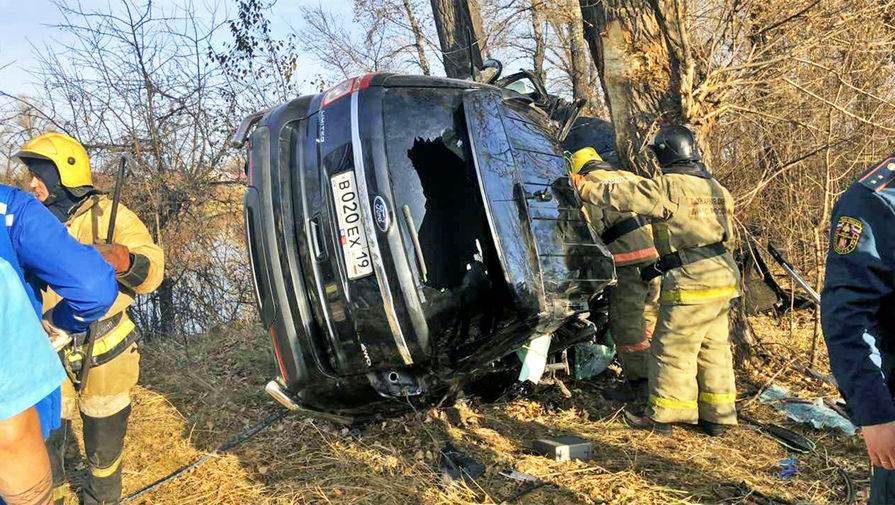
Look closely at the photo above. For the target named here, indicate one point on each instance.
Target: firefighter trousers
(628, 322)
(691, 370)
(104, 406)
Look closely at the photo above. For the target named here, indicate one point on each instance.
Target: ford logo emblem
(381, 214)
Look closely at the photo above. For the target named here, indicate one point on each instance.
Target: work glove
(59, 338)
(117, 255)
(577, 181)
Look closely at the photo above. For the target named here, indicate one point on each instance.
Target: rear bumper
(282, 305)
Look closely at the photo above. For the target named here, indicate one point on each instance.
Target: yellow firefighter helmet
(583, 157)
(66, 153)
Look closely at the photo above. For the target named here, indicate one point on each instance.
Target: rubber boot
(645, 423)
(713, 429)
(641, 390)
(104, 444)
(56, 443)
(629, 392)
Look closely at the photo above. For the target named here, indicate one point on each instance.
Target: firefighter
(856, 315)
(629, 238)
(691, 371)
(61, 179)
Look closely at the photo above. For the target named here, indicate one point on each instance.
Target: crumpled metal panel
(559, 264)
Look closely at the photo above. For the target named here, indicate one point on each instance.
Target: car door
(551, 258)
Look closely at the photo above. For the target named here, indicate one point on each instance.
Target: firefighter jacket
(857, 302)
(628, 236)
(89, 225)
(690, 210)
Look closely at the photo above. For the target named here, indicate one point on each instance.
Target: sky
(28, 24)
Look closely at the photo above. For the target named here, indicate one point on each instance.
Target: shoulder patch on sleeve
(847, 235)
(880, 176)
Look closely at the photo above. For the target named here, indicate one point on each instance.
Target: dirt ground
(197, 394)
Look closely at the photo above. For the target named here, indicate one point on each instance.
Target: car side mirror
(490, 71)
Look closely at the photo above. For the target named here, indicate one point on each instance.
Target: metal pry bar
(792, 273)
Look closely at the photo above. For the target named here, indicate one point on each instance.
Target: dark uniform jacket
(857, 304)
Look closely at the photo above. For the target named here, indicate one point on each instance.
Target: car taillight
(250, 164)
(338, 91)
(363, 82)
(276, 348)
(347, 87)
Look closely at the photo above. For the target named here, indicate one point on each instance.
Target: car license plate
(352, 233)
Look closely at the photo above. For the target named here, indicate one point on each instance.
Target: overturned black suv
(407, 234)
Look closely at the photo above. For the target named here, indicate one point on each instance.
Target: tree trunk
(742, 337)
(460, 35)
(418, 40)
(167, 308)
(578, 54)
(638, 74)
(537, 30)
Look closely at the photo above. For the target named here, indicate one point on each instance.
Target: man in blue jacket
(41, 253)
(858, 315)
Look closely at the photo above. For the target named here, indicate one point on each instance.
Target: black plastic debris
(785, 437)
(460, 466)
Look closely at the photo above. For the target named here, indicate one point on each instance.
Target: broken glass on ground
(813, 412)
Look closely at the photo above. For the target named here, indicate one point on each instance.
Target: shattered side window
(434, 183)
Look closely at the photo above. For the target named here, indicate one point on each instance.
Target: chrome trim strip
(360, 176)
(315, 264)
(276, 391)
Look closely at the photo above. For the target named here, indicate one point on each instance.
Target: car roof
(401, 80)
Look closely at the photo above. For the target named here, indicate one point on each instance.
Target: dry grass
(190, 404)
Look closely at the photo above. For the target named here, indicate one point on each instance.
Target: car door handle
(543, 195)
(317, 246)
